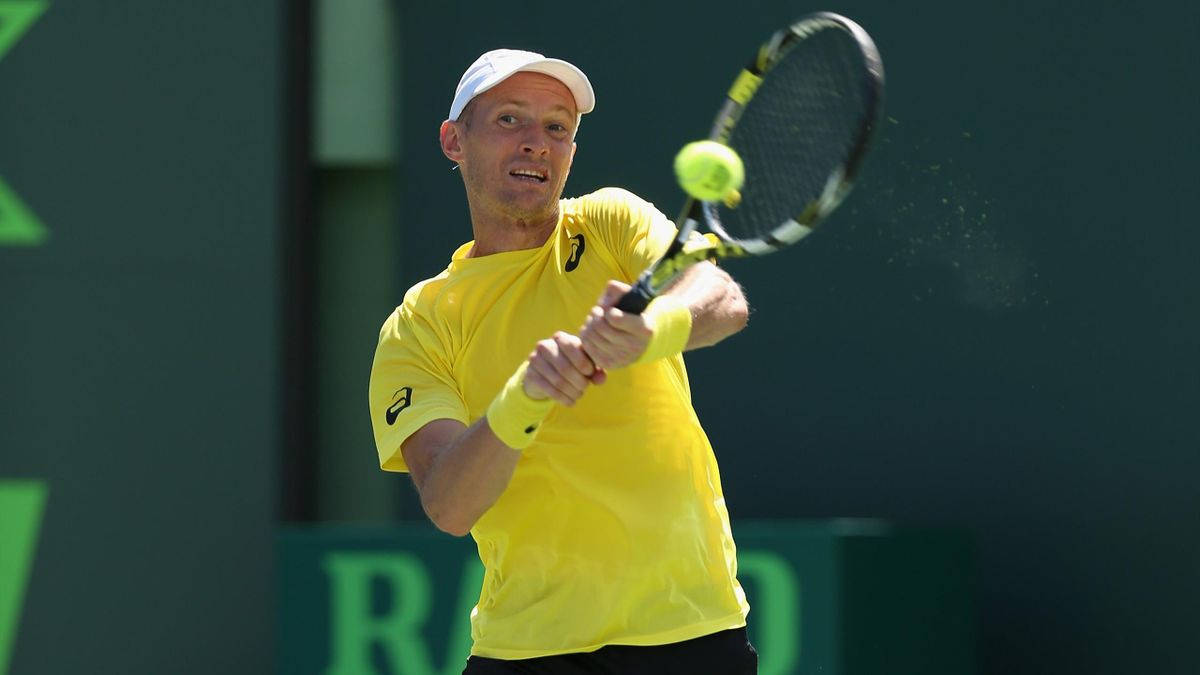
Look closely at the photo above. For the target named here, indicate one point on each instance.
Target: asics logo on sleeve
(576, 253)
(398, 404)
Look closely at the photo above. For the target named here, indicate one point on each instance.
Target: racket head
(801, 115)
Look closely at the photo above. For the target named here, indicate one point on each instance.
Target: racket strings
(798, 129)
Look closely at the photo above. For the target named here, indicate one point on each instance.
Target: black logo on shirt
(576, 253)
(398, 404)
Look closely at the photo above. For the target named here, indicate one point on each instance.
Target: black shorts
(726, 653)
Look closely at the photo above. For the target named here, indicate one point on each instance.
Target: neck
(498, 233)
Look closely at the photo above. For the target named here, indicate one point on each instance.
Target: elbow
(455, 529)
(454, 523)
(443, 510)
(740, 312)
(734, 309)
(737, 310)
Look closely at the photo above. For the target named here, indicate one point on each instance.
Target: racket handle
(636, 299)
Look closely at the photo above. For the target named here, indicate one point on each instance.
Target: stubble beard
(517, 208)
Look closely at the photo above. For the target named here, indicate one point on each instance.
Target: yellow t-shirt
(613, 529)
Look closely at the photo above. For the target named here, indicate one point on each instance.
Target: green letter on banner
(16, 16)
(458, 644)
(354, 629)
(21, 505)
(399, 633)
(778, 608)
(18, 225)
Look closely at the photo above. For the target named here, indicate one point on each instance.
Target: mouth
(529, 175)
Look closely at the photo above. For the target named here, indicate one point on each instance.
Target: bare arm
(460, 471)
(614, 339)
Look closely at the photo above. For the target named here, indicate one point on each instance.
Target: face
(514, 145)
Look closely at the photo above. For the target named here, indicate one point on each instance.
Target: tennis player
(555, 429)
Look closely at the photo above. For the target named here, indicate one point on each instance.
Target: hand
(613, 338)
(560, 369)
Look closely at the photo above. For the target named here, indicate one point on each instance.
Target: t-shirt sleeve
(411, 385)
(634, 230)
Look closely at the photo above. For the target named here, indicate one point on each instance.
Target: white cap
(498, 65)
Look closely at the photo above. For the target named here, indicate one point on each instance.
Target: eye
(508, 118)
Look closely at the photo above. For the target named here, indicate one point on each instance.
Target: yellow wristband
(671, 321)
(515, 417)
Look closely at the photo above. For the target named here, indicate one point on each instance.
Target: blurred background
(973, 394)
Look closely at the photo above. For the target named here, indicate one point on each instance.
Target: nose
(535, 143)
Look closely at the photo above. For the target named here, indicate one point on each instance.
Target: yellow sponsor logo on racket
(744, 87)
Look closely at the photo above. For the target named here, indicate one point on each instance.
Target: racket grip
(636, 299)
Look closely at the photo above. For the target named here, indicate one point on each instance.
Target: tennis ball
(708, 170)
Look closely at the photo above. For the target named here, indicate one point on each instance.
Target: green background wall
(138, 343)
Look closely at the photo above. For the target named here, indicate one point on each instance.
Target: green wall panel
(138, 340)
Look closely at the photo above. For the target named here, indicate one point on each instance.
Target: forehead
(531, 88)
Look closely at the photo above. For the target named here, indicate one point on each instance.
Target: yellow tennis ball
(708, 170)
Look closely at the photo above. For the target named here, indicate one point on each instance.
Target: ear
(451, 140)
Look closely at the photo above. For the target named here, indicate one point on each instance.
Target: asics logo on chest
(577, 246)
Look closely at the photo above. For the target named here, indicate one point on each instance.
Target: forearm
(716, 302)
(460, 471)
(466, 477)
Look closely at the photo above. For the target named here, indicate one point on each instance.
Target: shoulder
(417, 312)
(612, 209)
(606, 201)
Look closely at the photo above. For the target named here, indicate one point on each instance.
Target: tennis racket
(801, 116)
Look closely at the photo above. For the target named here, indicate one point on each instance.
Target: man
(553, 427)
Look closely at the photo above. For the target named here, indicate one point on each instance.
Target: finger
(624, 322)
(599, 377)
(542, 361)
(572, 347)
(610, 332)
(569, 378)
(616, 343)
(613, 291)
(571, 387)
(625, 334)
(598, 345)
(544, 377)
(595, 315)
(547, 389)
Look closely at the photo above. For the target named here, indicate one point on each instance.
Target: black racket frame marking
(683, 253)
